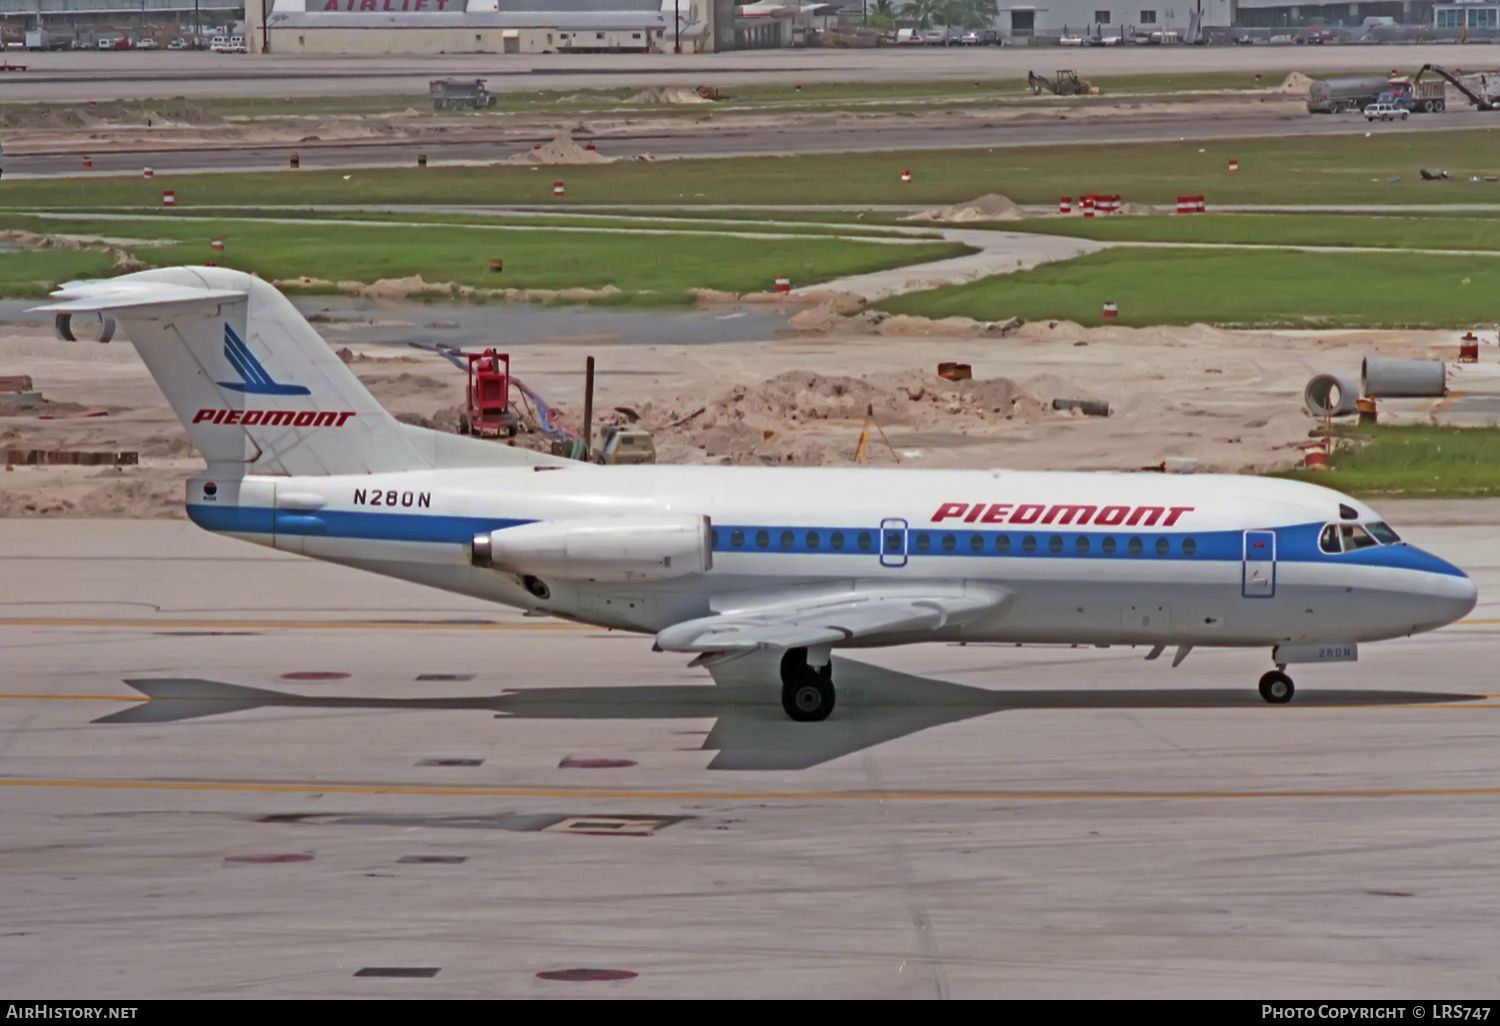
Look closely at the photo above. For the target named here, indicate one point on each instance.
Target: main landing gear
(806, 691)
(1277, 688)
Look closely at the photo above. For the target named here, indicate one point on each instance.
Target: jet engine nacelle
(635, 548)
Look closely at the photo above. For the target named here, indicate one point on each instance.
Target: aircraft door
(893, 542)
(1259, 580)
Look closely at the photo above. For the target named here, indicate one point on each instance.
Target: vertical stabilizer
(258, 389)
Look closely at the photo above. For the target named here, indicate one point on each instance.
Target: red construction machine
(488, 413)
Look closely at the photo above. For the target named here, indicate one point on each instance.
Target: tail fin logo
(257, 378)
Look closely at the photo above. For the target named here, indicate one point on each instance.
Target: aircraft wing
(791, 620)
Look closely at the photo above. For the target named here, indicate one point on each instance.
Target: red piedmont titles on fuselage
(274, 418)
(390, 6)
(1061, 514)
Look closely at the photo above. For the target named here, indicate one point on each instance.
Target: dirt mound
(562, 150)
(95, 115)
(668, 94)
(1295, 83)
(792, 417)
(989, 207)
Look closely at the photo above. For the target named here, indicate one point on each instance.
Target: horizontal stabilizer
(127, 294)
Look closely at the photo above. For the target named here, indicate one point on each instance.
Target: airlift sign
(388, 6)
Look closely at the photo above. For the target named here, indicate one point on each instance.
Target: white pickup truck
(1386, 112)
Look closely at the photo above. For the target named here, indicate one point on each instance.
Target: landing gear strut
(1277, 688)
(806, 691)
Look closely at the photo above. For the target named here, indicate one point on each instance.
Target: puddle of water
(350, 320)
(347, 319)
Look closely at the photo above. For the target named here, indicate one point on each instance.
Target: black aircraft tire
(1277, 688)
(807, 694)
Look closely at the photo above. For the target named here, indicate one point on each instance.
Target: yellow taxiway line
(297, 625)
(637, 794)
(542, 624)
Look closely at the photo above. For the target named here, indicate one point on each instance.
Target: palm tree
(923, 12)
(881, 14)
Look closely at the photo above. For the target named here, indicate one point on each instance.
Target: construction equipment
(1067, 83)
(459, 94)
(1484, 100)
(487, 411)
(621, 445)
(862, 449)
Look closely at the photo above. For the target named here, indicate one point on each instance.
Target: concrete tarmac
(88, 75)
(230, 772)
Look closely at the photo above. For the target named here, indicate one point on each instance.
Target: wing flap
(831, 619)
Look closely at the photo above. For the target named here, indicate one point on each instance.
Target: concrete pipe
(1328, 395)
(1403, 379)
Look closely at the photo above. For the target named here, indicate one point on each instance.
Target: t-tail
(258, 390)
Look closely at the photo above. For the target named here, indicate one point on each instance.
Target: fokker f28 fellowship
(723, 561)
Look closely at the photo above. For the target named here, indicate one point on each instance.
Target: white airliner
(722, 561)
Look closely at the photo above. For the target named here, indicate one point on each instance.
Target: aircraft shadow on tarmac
(751, 730)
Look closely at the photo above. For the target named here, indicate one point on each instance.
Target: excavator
(1482, 100)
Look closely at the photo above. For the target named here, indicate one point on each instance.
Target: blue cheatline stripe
(1295, 544)
(408, 527)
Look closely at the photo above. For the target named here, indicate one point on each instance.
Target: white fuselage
(1087, 558)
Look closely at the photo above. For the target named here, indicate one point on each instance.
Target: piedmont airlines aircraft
(723, 561)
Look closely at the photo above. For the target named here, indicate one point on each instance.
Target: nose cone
(1448, 595)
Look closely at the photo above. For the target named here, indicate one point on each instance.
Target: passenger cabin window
(1329, 540)
(1383, 533)
(1356, 537)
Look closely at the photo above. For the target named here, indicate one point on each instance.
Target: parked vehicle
(459, 94)
(177, 44)
(146, 43)
(935, 37)
(1386, 112)
(626, 445)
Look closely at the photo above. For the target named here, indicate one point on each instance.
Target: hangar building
(479, 26)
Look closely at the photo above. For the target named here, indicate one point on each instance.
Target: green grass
(1306, 170)
(35, 273)
(812, 94)
(653, 268)
(1417, 461)
(741, 221)
(1467, 230)
(1252, 288)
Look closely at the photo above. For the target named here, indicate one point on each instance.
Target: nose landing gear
(806, 691)
(1277, 688)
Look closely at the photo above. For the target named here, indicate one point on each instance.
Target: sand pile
(989, 207)
(1295, 83)
(806, 418)
(562, 150)
(668, 94)
(95, 115)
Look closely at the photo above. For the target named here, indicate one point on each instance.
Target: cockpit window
(1383, 533)
(1356, 537)
(1329, 540)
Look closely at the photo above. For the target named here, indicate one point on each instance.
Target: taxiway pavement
(88, 75)
(445, 785)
